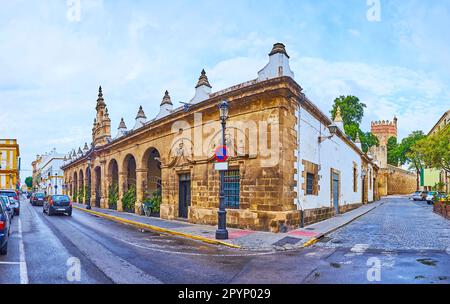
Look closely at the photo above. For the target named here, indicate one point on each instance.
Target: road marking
(9, 263)
(23, 263)
(359, 248)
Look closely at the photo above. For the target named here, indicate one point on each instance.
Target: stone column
(141, 177)
(122, 186)
(92, 186)
(107, 184)
(103, 186)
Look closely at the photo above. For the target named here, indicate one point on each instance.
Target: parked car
(58, 204)
(37, 199)
(14, 200)
(6, 203)
(5, 228)
(419, 195)
(430, 197)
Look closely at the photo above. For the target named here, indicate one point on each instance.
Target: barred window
(309, 183)
(231, 188)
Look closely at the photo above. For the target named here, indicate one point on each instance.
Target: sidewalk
(238, 238)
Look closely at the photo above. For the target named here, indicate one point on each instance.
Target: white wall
(331, 153)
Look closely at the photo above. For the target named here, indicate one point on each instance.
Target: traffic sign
(221, 154)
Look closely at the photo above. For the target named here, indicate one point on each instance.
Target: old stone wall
(394, 180)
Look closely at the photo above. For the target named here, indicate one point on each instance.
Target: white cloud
(418, 99)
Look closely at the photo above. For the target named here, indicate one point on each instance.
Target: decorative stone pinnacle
(278, 48)
(122, 124)
(338, 117)
(166, 99)
(141, 113)
(86, 146)
(100, 100)
(357, 140)
(203, 80)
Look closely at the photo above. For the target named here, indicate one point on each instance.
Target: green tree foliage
(352, 111)
(392, 153)
(434, 150)
(406, 155)
(29, 182)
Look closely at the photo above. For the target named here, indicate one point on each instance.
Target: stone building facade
(280, 175)
(392, 180)
(9, 164)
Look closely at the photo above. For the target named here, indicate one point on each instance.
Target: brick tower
(383, 130)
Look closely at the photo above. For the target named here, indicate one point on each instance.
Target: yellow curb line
(158, 229)
(310, 242)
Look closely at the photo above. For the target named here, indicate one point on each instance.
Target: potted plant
(154, 202)
(129, 199)
(113, 196)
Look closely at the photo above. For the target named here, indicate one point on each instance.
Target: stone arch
(98, 185)
(129, 169)
(82, 186)
(113, 184)
(151, 163)
(75, 185)
(129, 182)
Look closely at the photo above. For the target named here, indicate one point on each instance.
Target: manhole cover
(310, 228)
(287, 240)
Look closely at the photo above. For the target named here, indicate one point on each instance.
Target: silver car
(6, 204)
(419, 195)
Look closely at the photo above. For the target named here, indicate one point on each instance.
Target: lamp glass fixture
(332, 128)
(223, 107)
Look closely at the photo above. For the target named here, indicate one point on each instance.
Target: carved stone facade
(174, 154)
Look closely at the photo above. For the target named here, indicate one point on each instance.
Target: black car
(37, 199)
(5, 223)
(58, 204)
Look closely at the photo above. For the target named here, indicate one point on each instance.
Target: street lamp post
(222, 232)
(56, 183)
(88, 201)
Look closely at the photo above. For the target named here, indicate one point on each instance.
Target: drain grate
(287, 240)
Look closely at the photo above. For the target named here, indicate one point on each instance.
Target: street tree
(406, 155)
(352, 111)
(29, 182)
(435, 150)
(392, 151)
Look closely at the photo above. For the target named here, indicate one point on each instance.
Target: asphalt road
(398, 242)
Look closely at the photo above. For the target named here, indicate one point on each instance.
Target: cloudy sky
(52, 62)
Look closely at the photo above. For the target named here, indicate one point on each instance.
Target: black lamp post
(88, 202)
(56, 183)
(222, 232)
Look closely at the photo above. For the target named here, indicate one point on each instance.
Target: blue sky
(51, 67)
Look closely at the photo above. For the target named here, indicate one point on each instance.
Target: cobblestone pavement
(399, 224)
(409, 242)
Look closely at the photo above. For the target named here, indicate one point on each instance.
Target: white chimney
(358, 142)
(202, 89)
(338, 119)
(166, 106)
(140, 119)
(278, 64)
(122, 129)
